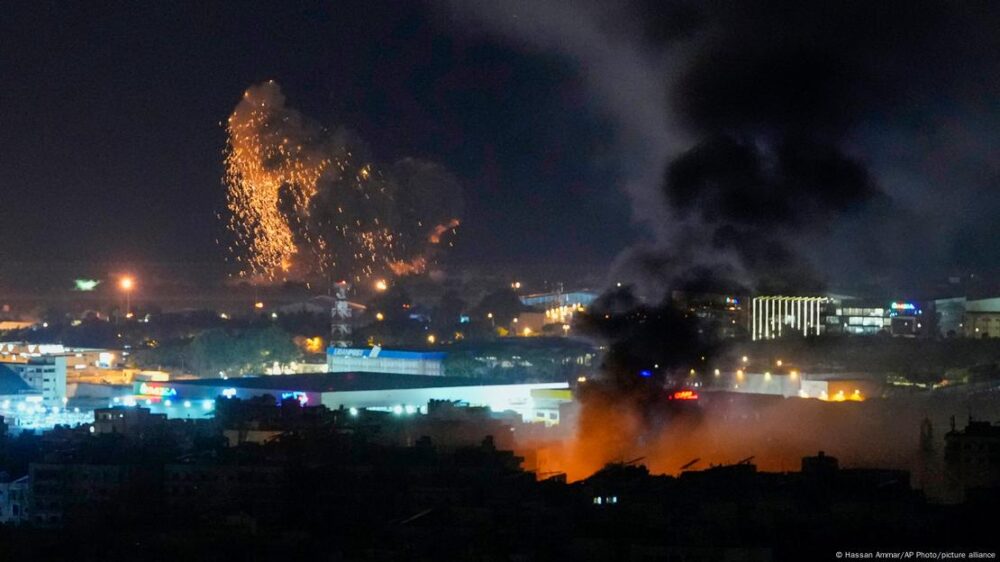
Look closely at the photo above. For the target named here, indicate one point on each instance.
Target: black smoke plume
(770, 146)
(752, 201)
(789, 105)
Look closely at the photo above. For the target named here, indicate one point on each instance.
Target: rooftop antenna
(340, 317)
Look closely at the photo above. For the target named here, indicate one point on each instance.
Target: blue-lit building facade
(24, 407)
(378, 360)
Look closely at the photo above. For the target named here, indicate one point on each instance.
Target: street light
(381, 285)
(127, 284)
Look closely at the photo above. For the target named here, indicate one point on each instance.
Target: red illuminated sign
(684, 395)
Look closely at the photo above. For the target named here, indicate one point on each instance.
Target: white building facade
(44, 374)
(779, 316)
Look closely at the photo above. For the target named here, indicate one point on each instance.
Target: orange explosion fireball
(303, 202)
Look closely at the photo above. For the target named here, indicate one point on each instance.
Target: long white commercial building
(535, 402)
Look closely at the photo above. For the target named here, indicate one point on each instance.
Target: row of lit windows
(860, 321)
(861, 330)
(860, 312)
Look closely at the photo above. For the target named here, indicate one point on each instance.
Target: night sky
(566, 123)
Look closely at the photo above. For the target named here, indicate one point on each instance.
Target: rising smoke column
(750, 201)
(308, 203)
(903, 90)
(798, 140)
(810, 125)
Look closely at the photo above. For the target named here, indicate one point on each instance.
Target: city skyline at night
(499, 280)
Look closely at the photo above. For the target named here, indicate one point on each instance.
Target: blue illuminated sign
(300, 396)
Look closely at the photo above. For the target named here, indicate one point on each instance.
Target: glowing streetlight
(258, 305)
(127, 284)
(379, 316)
(381, 285)
(431, 339)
